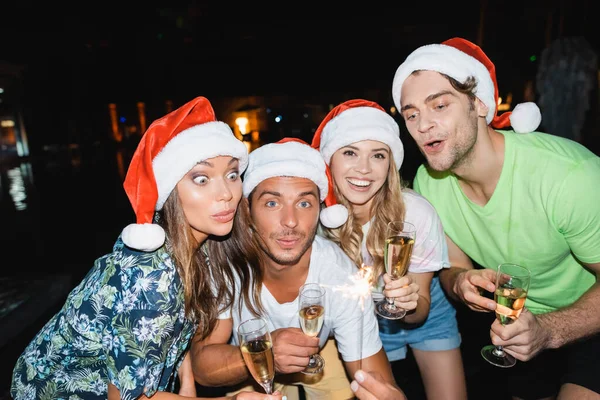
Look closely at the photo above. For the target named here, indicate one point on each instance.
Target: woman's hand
(371, 386)
(404, 291)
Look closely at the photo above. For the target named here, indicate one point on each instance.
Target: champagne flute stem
(499, 351)
(268, 387)
(390, 301)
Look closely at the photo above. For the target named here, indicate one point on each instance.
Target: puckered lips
(287, 242)
(224, 216)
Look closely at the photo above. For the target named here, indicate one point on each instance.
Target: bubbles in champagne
(398, 250)
(258, 356)
(510, 302)
(311, 319)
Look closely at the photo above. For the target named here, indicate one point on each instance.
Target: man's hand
(371, 386)
(404, 291)
(522, 339)
(292, 349)
(467, 287)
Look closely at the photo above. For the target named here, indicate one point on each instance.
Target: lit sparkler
(359, 287)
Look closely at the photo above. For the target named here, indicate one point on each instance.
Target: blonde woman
(361, 144)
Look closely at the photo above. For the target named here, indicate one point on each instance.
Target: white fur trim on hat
(525, 118)
(452, 62)
(334, 216)
(285, 159)
(358, 124)
(144, 237)
(195, 144)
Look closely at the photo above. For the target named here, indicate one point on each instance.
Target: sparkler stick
(359, 287)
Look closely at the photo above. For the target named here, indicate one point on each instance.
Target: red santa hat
(460, 59)
(350, 122)
(289, 157)
(170, 147)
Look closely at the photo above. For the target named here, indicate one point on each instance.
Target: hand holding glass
(512, 284)
(399, 243)
(311, 309)
(257, 350)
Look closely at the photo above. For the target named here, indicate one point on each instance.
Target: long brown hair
(207, 270)
(387, 205)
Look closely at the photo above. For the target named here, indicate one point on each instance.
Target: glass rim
(248, 321)
(411, 226)
(309, 288)
(526, 271)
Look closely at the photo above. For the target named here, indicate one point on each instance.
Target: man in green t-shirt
(516, 196)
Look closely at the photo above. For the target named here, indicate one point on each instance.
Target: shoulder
(157, 265)
(421, 213)
(550, 147)
(417, 203)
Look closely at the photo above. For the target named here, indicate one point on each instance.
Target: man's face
(285, 213)
(442, 121)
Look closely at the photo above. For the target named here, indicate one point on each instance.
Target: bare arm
(378, 363)
(579, 320)
(423, 280)
(214, 361)
(463, 283)
(459, 262)
(187, 385)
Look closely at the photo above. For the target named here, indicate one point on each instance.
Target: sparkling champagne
(311, 319)
(398, 250)
(510, 302)
(258, 355)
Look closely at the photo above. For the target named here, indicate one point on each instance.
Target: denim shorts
(438, 333)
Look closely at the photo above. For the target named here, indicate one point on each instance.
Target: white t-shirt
(353, 323)
(430, 252)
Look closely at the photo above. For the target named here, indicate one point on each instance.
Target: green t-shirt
(544, 214)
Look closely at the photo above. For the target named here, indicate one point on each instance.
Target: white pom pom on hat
(350, 122)
(525, 117)
(459, 59)
(170, 147)
(296, 158)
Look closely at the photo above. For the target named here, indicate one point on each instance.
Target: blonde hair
(387, 205)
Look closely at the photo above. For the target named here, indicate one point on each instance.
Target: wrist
(547, 325)
(458, 272)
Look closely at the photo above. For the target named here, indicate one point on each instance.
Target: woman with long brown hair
(125, 330)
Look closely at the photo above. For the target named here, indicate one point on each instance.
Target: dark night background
(72, 60)
(76, 58)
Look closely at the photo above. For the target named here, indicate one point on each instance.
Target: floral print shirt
(123, 324)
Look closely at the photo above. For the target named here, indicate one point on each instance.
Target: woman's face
(209, 194)
(360, 169)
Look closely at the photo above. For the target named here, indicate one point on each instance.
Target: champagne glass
(399, 243)
(311, 309)
(512, 284)
(257, 350)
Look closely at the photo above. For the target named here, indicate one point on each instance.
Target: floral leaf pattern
(123, 324)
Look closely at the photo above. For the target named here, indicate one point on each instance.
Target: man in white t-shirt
(285, 184)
